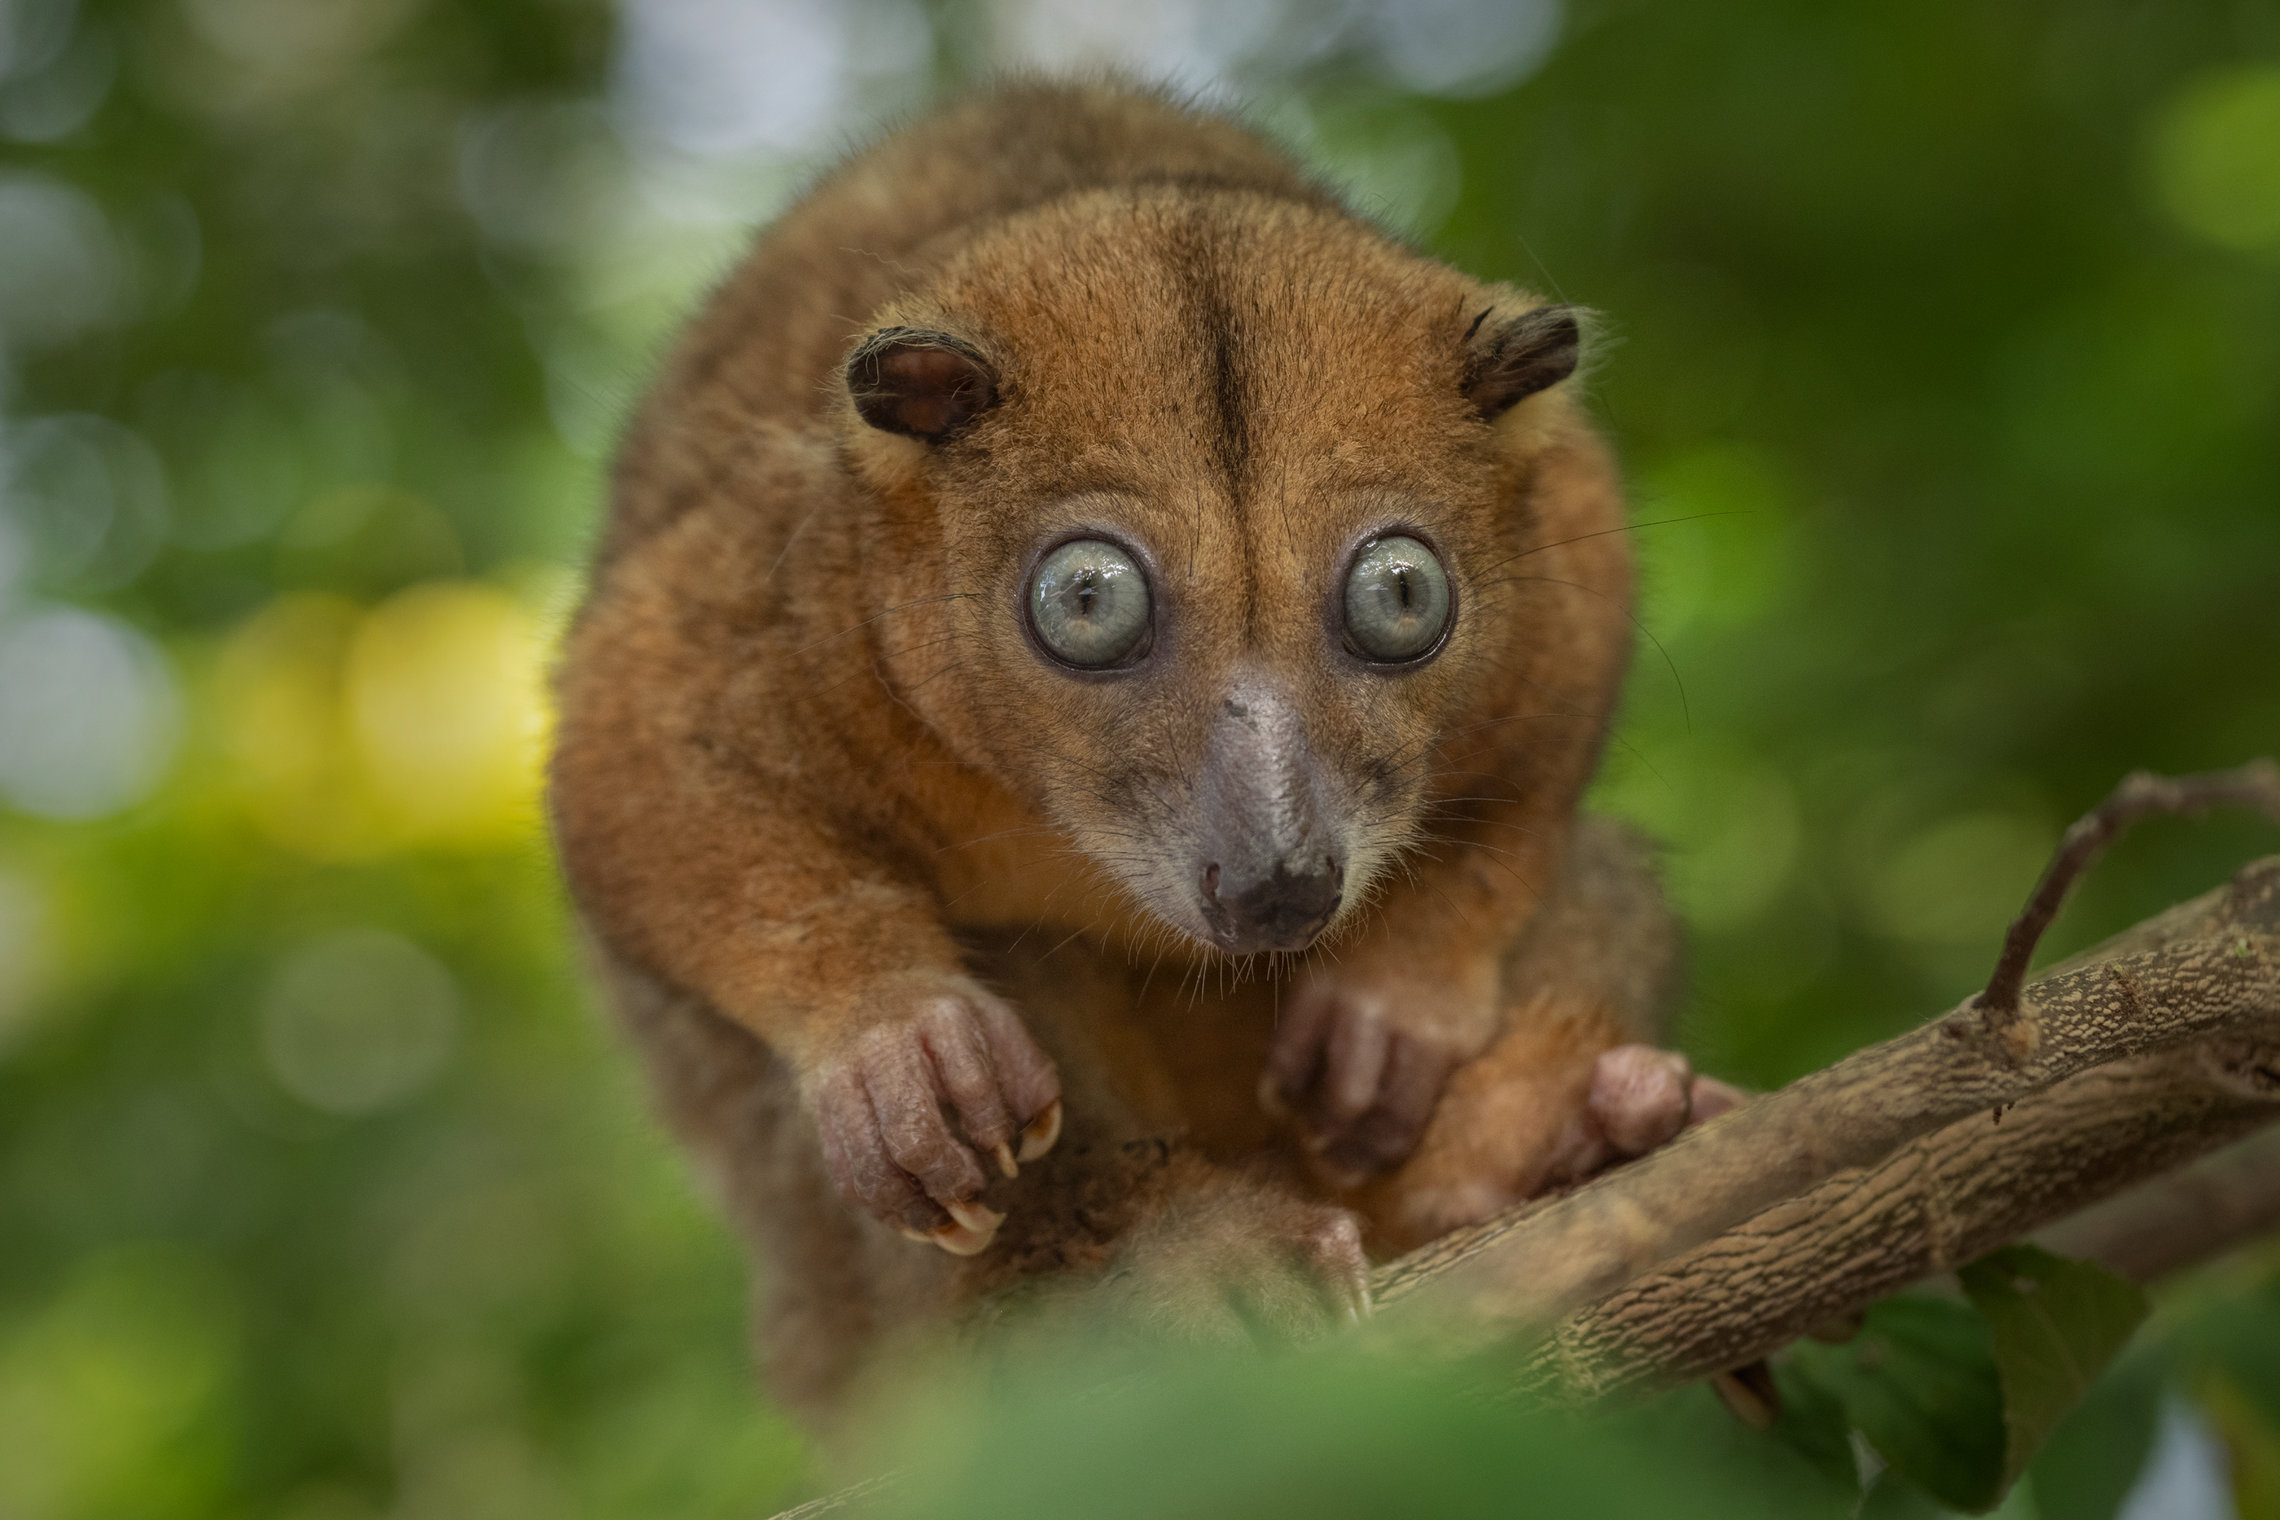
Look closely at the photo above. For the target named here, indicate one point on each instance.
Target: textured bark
(2208, 969)
(1934, 1205)
(2182, 1220)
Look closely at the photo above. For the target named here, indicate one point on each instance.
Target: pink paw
(909, 1109)
(1640, 1098)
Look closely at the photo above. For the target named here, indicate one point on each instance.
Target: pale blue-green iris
(1397, 600)
(1089, 603)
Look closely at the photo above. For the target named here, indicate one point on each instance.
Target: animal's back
(772, 338)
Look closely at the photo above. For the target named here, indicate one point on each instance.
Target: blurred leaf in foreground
(2092, 1460)
(1321, 1435)
(2056, 1324)
(1920, 1382)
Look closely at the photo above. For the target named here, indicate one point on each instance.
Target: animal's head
(1224, 496)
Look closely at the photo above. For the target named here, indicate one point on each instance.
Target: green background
(1942, 353)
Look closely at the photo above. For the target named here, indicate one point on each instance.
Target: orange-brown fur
(809, 775)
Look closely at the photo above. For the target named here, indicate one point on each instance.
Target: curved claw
(1039, 1134)
(912, 1112)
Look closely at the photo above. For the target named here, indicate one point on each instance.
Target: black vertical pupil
(1401, 583)
(1087, 581)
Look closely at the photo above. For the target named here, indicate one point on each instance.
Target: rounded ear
(921, 384)
(1510, 360)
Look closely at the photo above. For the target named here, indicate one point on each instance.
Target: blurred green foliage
(1943, 360)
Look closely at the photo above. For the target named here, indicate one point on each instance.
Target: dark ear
(922, 384)
(1513, 359)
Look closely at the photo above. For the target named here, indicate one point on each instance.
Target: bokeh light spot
(1462, 47)
(293, 43)
(358, 1021)
(61, 274)
(90, 496)
(446, 699)
(543, 176)
(712, 77)
(102, 1389)
(1192, 41)
(277, 699)
(420, 722)
(89, 714)
(2216, 157)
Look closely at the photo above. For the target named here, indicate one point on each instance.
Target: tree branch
(1936, 1204)
(2182, 1220)
(1806, 1205)
(2208, 968)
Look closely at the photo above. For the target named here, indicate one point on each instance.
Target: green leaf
(1892, 1497)
(2055, 1323)
(1920, 1382)
(2090, 1463)
(1813, 1424)
(2241, 1336)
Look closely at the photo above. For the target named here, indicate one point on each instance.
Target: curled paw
(1503, 1141)
(1640, 1098)
(1360, 1087)
(915, 1112)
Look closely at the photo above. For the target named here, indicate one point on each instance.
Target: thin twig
(2141, 794)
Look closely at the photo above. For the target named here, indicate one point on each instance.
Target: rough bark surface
(1936, 1204)
(2180, 1221)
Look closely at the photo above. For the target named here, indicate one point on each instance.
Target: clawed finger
(971, 1228)
(1409, 1088)
(1040, 1133)
(969, 1080)
(1294, 1062)
(907, 1122)
(1335, 1247)
(855, 1156)
(900, 1083)
(1354, 1068)
(1026, 1076)
(1710, 1097)
(1361, 1090)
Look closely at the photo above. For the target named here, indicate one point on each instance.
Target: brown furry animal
(1095, 643)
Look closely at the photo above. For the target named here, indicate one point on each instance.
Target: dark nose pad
(1283, 910)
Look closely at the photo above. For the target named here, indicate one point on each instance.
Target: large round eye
(1089, 604)
(1397, 600)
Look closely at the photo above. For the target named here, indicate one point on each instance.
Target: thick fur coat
(1200, 974)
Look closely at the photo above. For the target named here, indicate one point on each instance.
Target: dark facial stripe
(1201, 257)
(1233, 435)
